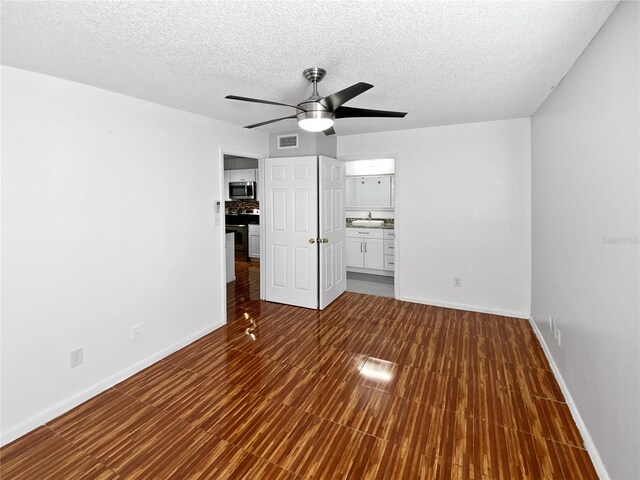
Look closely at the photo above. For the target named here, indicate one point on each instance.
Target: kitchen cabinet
(248, 175)
(365, 248)
(254, 241)
(370, 191)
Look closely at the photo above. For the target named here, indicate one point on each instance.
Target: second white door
(333, 270)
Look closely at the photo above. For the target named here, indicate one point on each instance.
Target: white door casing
(291, 230)
(332, 227)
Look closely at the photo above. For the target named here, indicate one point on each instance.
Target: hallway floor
(369, 388)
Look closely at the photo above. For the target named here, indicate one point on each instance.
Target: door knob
(312, 240)
(325, 240)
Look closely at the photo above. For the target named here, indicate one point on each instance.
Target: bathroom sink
(367, 223)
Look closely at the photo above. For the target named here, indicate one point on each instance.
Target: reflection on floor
(370, 284)
(369, 388)
(245, 289)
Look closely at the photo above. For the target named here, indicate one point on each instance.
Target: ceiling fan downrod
(314, 75)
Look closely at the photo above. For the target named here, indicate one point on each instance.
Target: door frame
(397, 224)
(240, 152)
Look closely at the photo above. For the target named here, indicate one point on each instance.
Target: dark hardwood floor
(370, 388)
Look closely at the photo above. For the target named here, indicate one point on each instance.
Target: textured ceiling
(443, 62)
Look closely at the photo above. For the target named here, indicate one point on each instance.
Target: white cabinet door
(235, 175)
(227, 179)
(333, 271)
(249, 175)
(254, 241)
(291, 229)
(355, 252)
(374, 253)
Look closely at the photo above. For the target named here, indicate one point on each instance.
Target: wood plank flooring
(370, 388)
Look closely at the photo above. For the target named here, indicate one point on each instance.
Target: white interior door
(333, 236)
(291, 230)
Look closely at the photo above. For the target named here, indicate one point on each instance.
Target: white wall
(462, 210)
(586, 197)
(107, 211)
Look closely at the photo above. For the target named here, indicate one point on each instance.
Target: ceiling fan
(316, 113)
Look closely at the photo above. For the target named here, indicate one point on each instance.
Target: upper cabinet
(370, 191)
(248, 175)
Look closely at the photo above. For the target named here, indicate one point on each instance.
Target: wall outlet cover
(136, 333)
(77, 357)
(457, 282)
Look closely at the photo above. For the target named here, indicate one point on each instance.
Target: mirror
(370, 191)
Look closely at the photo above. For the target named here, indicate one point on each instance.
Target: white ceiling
(443, 62)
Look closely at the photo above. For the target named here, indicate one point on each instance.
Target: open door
(333, 269)
(291, 230)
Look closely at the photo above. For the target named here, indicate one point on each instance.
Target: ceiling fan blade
(257, 100)
(330, 131)
(351, 112)
(269, 121)
(334, 100)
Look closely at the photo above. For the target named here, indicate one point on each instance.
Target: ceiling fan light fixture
(315, 121)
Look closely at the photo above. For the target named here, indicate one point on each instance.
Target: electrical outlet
(77, 357)
(558, 337)
(457, 282)
(136, 333)
(550, 323)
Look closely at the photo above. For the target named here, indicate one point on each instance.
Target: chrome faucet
(369, 217)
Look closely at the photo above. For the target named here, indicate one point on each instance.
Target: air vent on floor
(288, 141)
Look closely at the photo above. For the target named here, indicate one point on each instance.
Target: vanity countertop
(387, 225)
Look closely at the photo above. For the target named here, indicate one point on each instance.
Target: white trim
(589, 445)
(75, 400)
(461, 306)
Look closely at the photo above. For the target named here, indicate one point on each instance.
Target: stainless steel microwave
(242, 190)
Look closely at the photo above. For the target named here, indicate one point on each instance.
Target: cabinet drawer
(364, 232)
(389, 234)
(389, 247)
(389, 262)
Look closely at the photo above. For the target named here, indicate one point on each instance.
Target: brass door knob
(325, 240)
(312, 240)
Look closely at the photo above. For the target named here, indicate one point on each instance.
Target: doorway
(242, 233)
(371, 238)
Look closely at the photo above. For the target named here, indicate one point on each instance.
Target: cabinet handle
(365, 247)
(364, 233)
(361, 246)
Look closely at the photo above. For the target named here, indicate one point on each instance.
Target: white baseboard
(75, 400)
(573, 408)
(461, 306)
